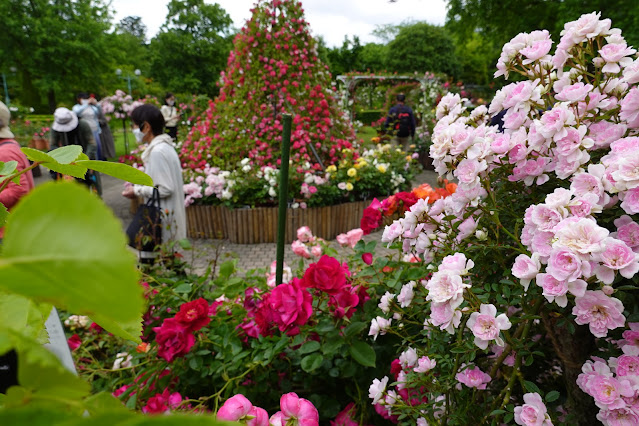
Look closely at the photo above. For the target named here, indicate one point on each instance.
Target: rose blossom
(408, 358)
(627, 231)
(424, 365)
(526, 268)
(446, 287)
(234, 408)
(327, 275)
(556, 290)
(304, 234)
(583, 236)
(173, 339)
(376, 389)
(444, 316)
(473, 378)
(608, 391)
(379, 326)
(486, 325)
(457, 264)
(346, 416)
(533, 412)
(618, 417)
(295, 411)
(300, 249)
(617, 256)
(194, 315)
(564, 265)
(600, 312)
(406, 294)
(575, 92)
(350, 238)
(291, 303)
(630, 202)
(627, 365)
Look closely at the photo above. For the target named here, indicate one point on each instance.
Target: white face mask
(170, 103)
(139, 135)
(85, 102)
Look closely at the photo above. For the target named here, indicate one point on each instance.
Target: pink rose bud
(608, 290)
(367, 258)
(234, 408)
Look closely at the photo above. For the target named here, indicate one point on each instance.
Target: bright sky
(332, 19)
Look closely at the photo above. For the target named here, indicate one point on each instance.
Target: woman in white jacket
(162, 163)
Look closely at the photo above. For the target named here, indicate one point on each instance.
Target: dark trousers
(172, 131)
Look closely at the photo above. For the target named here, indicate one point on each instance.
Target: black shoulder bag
(145, 230)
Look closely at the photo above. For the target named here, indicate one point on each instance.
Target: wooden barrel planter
(259, 225)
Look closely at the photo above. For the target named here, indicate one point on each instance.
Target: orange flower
(143, 348)
(375, 139)
(423, 191)
(391, 206)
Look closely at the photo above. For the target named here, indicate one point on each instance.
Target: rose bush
(529, 267)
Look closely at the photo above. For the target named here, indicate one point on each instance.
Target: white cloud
(332, 19)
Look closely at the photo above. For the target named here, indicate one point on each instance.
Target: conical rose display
(272, 69)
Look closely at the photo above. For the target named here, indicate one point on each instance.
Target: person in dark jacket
(402, 119)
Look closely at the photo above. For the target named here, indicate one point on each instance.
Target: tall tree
(56, 45)
(192, 47)
(132, 25)
(423, 47)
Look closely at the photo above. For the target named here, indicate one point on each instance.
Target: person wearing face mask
(88, 109)
(162, 163)
(171, 115)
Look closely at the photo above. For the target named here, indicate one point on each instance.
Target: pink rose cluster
(350, 238)
(294, 411)
(569, 248)
(307, 245)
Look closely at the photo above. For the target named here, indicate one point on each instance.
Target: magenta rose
(173, 339)
(371, 220)
(194, 315)
(327, 275)
(235, 408)
(291, 304)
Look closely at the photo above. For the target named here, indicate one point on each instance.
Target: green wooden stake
(281, 214)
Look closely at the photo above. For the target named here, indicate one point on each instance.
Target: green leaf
(118, 170)
(183, 288)
(363, 353)
(531, 387)
(73, 257)
(22, 315)
(311, 362)
(227, 268)
(66, 154)
(4, 214)
(37, 155)
(8, 168)
(309, 347)
(552, 396)
(496, 412)
(354, 329)
(103, 403)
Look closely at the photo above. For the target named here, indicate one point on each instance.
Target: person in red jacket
(10, 151)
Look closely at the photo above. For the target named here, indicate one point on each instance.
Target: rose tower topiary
(273, 68)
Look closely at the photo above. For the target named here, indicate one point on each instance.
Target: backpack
(403, 123)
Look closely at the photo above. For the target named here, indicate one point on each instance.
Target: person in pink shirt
(10, 151)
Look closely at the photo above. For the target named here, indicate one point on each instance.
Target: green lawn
(366, 133)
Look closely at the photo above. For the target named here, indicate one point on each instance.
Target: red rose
(407, 198)
(173, 339)
(264, 316)
(194, 315)
(74, 342)
(327, 275)
(371, 220)
(344, 303)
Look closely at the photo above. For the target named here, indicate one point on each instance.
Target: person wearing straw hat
(10, 151)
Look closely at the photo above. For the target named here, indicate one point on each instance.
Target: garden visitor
(106, 136)
(162, 163)
(67, 129)
(88, 109)
(401, 117)
(171, 115)
(10, 151)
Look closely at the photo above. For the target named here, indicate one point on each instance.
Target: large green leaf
(64, 246)
(363, 353)
(66, 154)
(23, 315)
(118, 170)
(51, 163)
(4, 213)
(7, 168)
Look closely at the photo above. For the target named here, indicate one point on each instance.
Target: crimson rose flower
(344, 302)
(194, 315)
(371, 220)
(74, 342)
(327, 275)
(173, 339)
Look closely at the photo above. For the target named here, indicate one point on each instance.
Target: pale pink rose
(408, 358)
(445, 317)
(537, 50)
(604, 133)
(518, 93)
(615, 54)
(582, 236)
(617, 256)
(446, 287)
(379, 326)
(630, 108)
(342, 240)
(473, 378)
(466, 229)
(618, 417)
(468, 170)
(631, 72)
(533, 412)
(572, 141)
(392, 231)
(565, 265)
(300, 249)
(376, 389)
(514, 119)
(304, 234)
(424, 365)
(316, 251)
(586, 27)
(486, 325)
(627, 231)
(235, 408)
(600, 312)
(526, 268)
(300, 409)
(553, 121)
(555, 290)
(545, 218)
(625, 146)
(456, 264)
(501, 144)
(626, 175)
(575, 92)
(542, 243)
(586, 183)
(406, 294)
(353, 236)
(630, 203)
(608, 392)
(627, 365)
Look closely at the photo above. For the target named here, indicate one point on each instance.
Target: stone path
(250, 256)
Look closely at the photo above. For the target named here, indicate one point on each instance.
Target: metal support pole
(126, 139)
(7, 101)
(281, 215)
(128, 80)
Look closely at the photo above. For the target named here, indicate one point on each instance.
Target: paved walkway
(249, 256)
